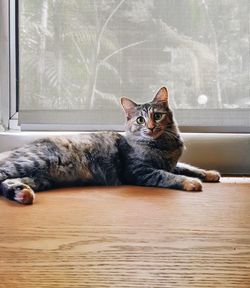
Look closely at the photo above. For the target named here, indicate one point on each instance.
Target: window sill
(228, 153)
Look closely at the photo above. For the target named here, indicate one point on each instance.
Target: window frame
(91, 119)
(10, 61)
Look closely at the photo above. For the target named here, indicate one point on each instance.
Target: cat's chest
(165, 159)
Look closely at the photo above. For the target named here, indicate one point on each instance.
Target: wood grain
(128, 237)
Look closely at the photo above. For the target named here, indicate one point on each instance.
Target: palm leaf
(108, 96)
(111, 68)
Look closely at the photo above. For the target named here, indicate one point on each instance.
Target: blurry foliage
(85, 54)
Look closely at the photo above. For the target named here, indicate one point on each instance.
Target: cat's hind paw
(192, 184)
(17, 191)
(212, 176)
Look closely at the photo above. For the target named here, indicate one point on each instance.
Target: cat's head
(149, 120)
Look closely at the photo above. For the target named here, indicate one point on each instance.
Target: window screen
(77, 58)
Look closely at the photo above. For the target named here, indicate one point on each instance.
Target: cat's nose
(151, 125)
(151, 128)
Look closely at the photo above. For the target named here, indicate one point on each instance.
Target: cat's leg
(192, 171)
(15, 189)
(147, 176)
(22, 189)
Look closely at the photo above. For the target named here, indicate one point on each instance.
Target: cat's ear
(161, 96)
(128, 105)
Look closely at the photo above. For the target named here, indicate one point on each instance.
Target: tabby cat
(147, 155)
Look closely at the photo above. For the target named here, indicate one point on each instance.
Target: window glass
(86, 54)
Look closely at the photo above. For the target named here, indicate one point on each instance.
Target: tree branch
(121, 49)
(105, 25)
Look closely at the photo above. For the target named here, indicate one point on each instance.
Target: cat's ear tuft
(161, 96)
(128, 105)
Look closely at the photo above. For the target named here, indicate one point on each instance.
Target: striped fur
(146, 155)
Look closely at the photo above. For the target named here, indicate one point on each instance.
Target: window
(77, 58)
(4, 65)
(8, 107)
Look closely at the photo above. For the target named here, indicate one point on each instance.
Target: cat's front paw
(15, 190)
(24, 195)
(192, 184)
(212, 176)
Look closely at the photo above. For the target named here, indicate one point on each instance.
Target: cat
(147, 155)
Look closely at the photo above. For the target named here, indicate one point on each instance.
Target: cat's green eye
(140, 120)
(157, 116)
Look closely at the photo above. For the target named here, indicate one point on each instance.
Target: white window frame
(8, 72)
